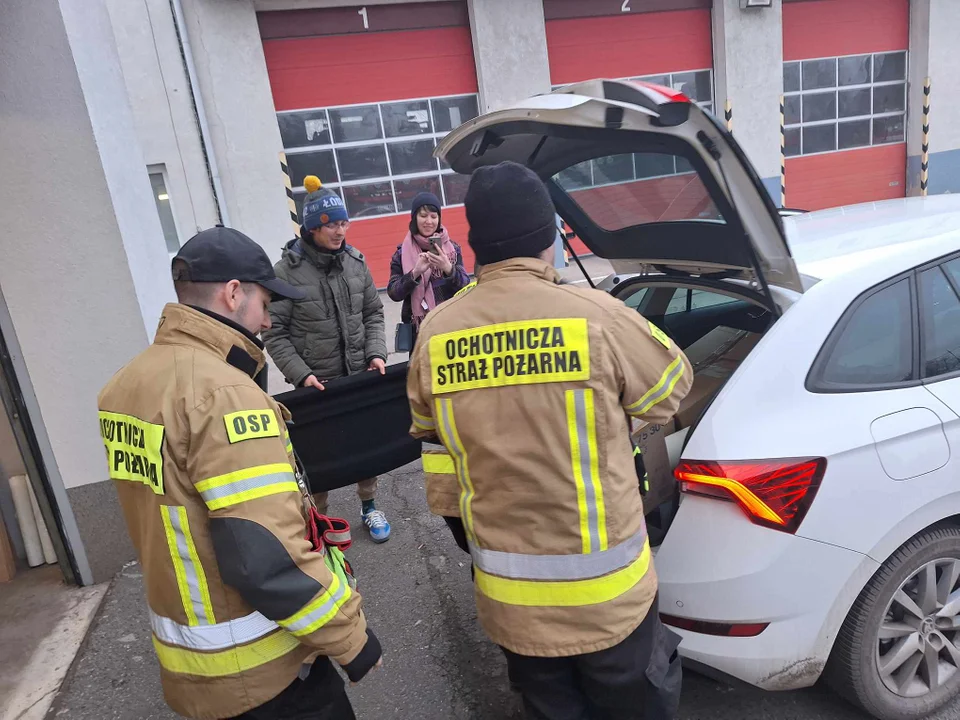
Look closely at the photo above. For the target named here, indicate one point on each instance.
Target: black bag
(403, 338)
(356, 428)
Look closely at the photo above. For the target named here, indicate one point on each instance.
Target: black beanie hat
(424, 198)
(510, 213)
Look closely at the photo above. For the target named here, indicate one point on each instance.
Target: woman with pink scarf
(427, 267)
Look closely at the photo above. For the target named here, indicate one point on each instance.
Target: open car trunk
(716, 331)
(646, 179)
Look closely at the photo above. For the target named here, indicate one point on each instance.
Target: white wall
(233, 79)
(84, 261)
(510, 48)
(159, 94)
(748, 67)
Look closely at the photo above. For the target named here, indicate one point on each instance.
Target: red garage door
(362, 94)
(844, 78)
(667, 42)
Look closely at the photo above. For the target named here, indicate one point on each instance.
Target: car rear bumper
(714, 565)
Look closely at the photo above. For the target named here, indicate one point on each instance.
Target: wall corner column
(510, 49)
(748, 72)
(934, 28)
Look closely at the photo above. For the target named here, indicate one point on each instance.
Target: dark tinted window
(309, 127)
(875, 346)
(940, 319)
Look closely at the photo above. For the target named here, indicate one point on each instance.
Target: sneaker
(377, 524)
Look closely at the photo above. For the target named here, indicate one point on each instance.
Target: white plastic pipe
(28, 524)
(46, 544)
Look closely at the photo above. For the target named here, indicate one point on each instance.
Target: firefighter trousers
(638, 679)
(320, 696)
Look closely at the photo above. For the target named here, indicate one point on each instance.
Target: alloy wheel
(917, 645)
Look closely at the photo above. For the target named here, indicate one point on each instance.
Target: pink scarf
(410, 250)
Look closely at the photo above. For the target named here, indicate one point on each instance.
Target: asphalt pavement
(419, 600)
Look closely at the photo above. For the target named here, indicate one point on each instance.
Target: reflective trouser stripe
(191, 579)
(438, 463)
(248, 484)
(232, 661)
(212, 637)
(582, 428)
(519, 566)
(320, 610)
(661, 391)
(451, 440)
(422, 421)
(574, 593)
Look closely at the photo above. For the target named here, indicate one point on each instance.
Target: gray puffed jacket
(338, 329)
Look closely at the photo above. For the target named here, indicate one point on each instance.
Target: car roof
(829, 243)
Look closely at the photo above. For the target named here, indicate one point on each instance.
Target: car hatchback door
(644, 177)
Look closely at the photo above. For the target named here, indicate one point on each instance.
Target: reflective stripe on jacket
(443, 489)
(204, 469)
(529, 385)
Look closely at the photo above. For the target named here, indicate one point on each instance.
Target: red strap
(324, 531)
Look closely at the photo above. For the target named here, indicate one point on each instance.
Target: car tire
(854, 668)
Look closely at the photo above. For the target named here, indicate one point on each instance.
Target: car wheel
(897, 655)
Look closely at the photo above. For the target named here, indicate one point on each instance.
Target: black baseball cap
(222, 254)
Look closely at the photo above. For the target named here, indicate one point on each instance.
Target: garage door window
(377, 156)
(841, 103)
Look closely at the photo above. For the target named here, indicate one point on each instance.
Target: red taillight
(714, 628)
(773, 493)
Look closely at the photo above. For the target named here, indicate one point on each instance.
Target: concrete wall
(510, 47)
(80, 239)
(159, 94)
(934, 28)
(748, 61)
(233, 81)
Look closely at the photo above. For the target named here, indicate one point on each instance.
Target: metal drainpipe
(205, 140)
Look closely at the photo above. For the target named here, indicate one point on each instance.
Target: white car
(818, 530)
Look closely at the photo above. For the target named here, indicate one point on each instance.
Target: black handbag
(403, 339)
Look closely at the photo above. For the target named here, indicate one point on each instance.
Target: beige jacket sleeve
(238, 462)
(653, 374)
(424, 424)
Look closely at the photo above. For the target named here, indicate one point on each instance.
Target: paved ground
(438, 666)
(42, 624)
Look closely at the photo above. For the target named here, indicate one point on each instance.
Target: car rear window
(621, 191)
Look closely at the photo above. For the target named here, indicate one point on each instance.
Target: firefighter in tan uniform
(529, 385)
(242, 607)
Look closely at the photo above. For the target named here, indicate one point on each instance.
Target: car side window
(875, 346)
(689, 299)
(633, 301)
(940, 320)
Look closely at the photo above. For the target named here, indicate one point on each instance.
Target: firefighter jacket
(529, 385)
(204, 468)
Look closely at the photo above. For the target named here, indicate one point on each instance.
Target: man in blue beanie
(338, 330)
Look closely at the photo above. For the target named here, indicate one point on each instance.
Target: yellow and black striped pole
(728, 115)
(925, 148)
(294, 218)
(783, 158)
